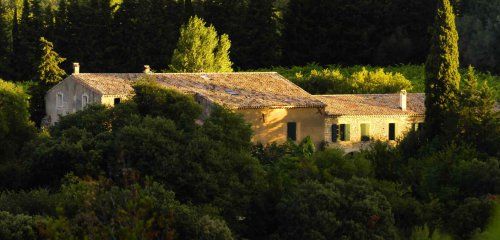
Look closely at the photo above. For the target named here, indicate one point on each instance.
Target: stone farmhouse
(277, 109)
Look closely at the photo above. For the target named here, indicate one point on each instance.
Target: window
(341, 132)
(292, 131)
(345, 132)
(335, 132)
(365, 132)
(392, 131)
(117, 101)
(60, 100)
(417, 126)
(85, 100)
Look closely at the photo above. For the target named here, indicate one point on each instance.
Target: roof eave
(378, 115)
(279, 107)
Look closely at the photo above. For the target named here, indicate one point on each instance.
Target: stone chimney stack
(402, 100)
(147, 69)
(76, 68)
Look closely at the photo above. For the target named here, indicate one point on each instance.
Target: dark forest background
(122, 36)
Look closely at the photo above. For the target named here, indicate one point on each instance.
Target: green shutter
(335, 132)
(342, 132)
(392, 131)
(365, 132)
(347, 132)
(292, 131)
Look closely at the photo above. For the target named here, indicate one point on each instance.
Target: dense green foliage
(15, 130)
(124, 35)
(155, 167)
(479, 28)
(200, 49)
(442, 78)
(149, 169)
(333, 82)
(413, 73)
(15, 126)
(48, 74)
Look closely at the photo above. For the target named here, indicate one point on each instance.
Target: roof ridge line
(354, 94)
(184, 73)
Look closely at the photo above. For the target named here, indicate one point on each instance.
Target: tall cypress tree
(260, 46)
(22, 57)
(16, 45)
(228, 17)
(28, 32)
(4, 45)
(442, 75)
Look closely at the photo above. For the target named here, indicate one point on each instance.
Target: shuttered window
(60, 100)
(292, 131)
(335, 132)
(345, 132)
(392, 131)
(365, 132)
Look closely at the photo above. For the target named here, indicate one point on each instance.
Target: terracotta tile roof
(233, 90)
(372, 104)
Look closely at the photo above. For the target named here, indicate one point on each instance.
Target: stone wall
(379, 129)
(270, 125)
(72, 93)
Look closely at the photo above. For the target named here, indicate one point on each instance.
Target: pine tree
(49, 73)
(442, 75)
(200, 49)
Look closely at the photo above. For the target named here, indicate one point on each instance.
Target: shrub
(15, 126)
(15, 227)
(341, 209)
(333, 81)
(35, 202)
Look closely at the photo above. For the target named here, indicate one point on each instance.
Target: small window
(60, 100)
(345, 132)
(414, 127)
(117, 101)
(292, 131)
(335, 132)
(85, 100)
(392, 131)
(232, 92)
(420, 126)
(365, 132)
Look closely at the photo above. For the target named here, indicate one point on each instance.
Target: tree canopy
(200, 49)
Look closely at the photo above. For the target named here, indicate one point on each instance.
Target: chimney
(402, 100)
(76, 68)
(147, 69)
